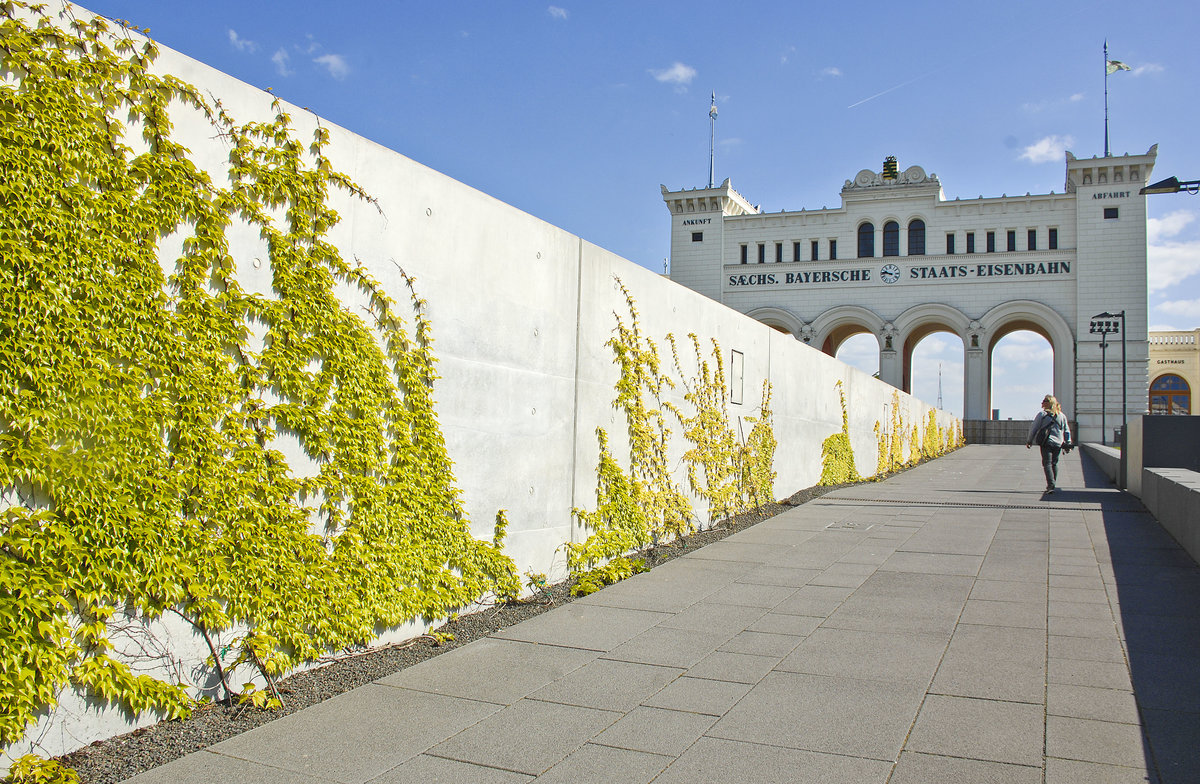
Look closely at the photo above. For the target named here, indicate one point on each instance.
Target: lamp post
(1172, 185)
(1105, 324)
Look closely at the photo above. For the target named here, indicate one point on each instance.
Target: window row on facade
(916, 244)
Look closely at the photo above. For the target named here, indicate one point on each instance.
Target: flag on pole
(1117, 65)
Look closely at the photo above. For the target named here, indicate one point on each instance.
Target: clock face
(890, 273)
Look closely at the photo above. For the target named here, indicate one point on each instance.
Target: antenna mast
(939, 385)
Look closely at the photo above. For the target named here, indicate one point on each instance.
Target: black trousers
(1050, 453)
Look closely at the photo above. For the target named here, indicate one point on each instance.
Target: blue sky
(576, 111)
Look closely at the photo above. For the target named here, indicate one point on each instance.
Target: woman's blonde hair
(1050, 403)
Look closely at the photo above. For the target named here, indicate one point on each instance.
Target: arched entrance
(1170, 394)
(1020, 372)
(778, 319)
(1005, 319)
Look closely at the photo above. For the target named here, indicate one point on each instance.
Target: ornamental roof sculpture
(913, 175)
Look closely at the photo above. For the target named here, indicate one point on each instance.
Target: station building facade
(1174, 372)
(900, 261)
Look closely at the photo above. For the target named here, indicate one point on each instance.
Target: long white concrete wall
(520, 312)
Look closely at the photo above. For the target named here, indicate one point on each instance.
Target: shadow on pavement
(1158, 590)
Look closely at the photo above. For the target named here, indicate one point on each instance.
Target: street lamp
(1172, 185)
(1105, 324)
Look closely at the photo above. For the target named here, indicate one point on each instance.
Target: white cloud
(556, 12)
(1048, 149)
(1148, 68)
(281, 59)
(860, 351)
(831, 70)
(336, 64)
(241, 44)
(1168, 225)
(1188, 308)
(1171, 263)
(1048, 103)
(783, 58)
(1022, 349)
(678, 74)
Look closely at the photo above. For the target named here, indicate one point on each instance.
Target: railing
(1173, 340)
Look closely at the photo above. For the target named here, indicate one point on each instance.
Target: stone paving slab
(950, 624)
(356, 736)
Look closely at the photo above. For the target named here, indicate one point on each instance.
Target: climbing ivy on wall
(837, 453)
(646, 506)
(142, 412)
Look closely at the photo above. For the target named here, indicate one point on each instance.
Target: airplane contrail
(888, 90)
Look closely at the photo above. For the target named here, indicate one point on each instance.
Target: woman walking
(1051, 433)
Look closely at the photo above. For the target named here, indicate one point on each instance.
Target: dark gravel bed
(116, 759)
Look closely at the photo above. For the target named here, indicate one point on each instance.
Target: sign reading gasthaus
(900, 261)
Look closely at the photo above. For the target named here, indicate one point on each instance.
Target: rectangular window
(833, 249)
(1031, 240)
(949, 244)
(970, 242)
(743, 254)
(1110, 213)
(1011, 239)
(762, 253)
(1052, 240)
(795, 251)
(697, 236)
(814, 250)
(778, 251)
(991, 242)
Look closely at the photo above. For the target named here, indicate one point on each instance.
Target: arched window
(1170, 394)
(866, 240)
(891, 239)
(916, 237)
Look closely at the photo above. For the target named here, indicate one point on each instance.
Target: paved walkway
(948, 625)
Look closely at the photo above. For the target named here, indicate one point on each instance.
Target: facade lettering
(904, 276)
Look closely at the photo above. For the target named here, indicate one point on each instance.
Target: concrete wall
(1159, 442)
(996, 431)
(1172, 495)
(520, 311)
(1106, 459)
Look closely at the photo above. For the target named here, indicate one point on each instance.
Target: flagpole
(1105, 97)
(712, 136)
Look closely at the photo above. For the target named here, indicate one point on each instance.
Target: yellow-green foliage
(890, 450)
(914, 445)
(646, 506)
(758, 455)
(712, 472)
(933, 444)
(614, 571)
(32, 769)
(837, 454)
(619, 523)
(139, 418)
(731, 476)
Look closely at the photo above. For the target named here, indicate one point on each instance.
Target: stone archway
(917, 323)
(1011, 317)
(836, 325)
(778, 319)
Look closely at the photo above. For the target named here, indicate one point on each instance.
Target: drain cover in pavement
(847, 525)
